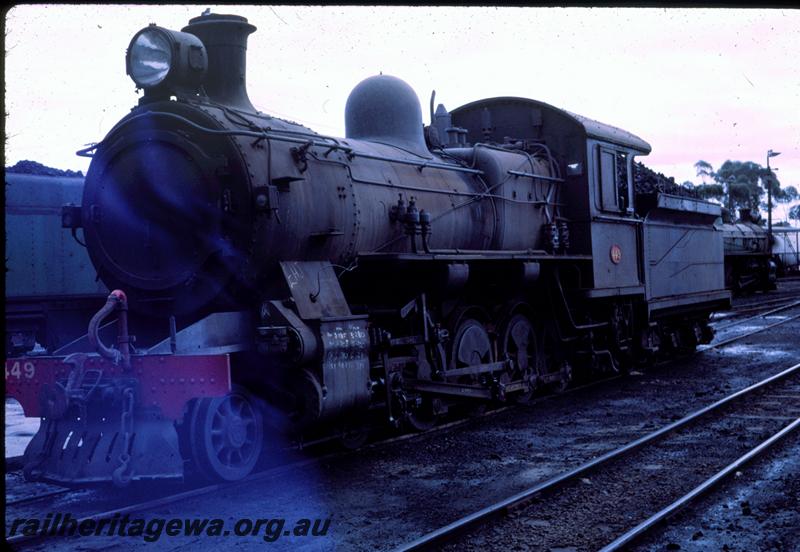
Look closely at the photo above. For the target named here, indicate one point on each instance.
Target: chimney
(225, 39)
(745, 215)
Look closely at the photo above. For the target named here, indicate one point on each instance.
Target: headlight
(166, 60)
(150, 57)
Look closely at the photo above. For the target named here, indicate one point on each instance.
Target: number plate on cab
(19, 369)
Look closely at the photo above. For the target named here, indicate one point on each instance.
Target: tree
(711, 191)
(794, 212)
(785, 195)
(779, 195)
(704, 170)
(743, 178)
(741, 185)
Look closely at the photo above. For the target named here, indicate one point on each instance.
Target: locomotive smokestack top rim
(746, 214)
(220, 19)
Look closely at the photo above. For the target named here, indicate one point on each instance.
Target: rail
(449, 532)
(662, 515)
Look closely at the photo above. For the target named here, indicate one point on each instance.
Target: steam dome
(385, 109)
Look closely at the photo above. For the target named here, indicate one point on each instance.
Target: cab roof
(592, 129)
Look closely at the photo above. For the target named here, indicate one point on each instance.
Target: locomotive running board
(217, 333)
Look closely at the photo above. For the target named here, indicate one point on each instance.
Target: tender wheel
(226, 435)
(518, 342)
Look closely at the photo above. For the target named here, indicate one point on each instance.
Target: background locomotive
(749, 264)
(295, 280)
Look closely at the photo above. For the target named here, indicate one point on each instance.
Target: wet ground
(383, 497)
(758, 510)
(594, 510)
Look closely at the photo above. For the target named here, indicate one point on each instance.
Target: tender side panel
(683, 253)
(44, 259)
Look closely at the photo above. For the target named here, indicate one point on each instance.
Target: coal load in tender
(33, 167)
(646, 182)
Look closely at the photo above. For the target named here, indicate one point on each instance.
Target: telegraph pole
(770, 153)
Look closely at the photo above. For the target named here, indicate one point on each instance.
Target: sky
(711, 84)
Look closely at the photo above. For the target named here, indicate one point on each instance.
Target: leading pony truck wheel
(226, 435)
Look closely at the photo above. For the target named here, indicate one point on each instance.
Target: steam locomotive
(282, 280)
(749, 264)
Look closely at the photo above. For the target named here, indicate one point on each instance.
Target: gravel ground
(383, 497)
(592, 511)
(759, 510)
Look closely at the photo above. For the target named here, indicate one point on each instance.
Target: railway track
(740, 310)
(786, 290)
(649, 524)
(746, 399)
(747, 334)
(787, 293)
(271, 472)
(37, 497)
(282, 469)
(786, 305)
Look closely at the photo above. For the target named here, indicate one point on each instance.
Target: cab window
(614, 180)
(622, 181)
